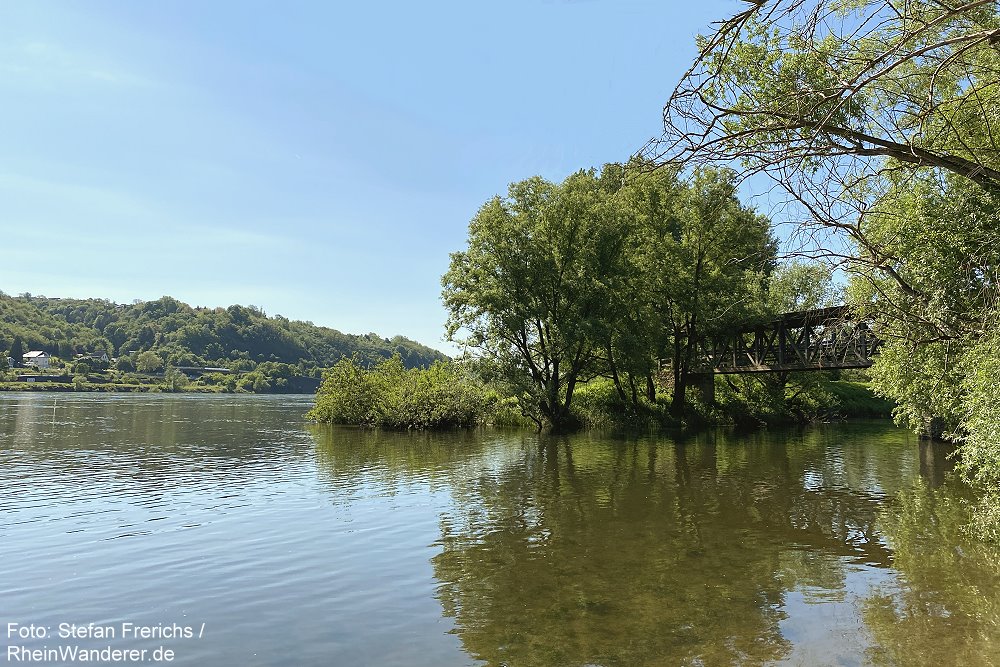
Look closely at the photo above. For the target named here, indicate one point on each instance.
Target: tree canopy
(532, 289)
(808, 89)
(605, 275)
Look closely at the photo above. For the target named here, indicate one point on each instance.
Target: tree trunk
(678, 402)
(614, 375)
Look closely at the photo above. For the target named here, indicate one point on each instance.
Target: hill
(237, 337)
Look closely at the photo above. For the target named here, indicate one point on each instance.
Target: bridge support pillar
(705, 384)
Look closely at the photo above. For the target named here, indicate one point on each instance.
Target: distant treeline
(237, 337)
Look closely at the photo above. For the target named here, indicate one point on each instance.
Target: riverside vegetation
(877, 120)
(455, 394)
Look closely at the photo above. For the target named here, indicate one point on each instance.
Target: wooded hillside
(236, 337)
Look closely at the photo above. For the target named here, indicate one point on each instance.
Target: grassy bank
(855, 399)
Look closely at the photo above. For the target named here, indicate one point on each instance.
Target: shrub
(388, 395)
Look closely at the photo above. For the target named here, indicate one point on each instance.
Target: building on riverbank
(36, 358)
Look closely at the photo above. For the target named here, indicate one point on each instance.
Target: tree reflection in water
(947, 610)
(592, 550)
(632, 553)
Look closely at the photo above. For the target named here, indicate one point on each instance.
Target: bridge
(810, 340)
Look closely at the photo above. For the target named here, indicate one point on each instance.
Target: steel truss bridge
(809, 340)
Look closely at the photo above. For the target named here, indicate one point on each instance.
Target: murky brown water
(278, 543)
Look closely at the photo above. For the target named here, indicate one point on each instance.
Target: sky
(319, 160)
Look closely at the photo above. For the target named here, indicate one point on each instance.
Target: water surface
(281, 543)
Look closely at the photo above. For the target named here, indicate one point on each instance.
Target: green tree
(16, 350)
(388, 395)
(724, 249)
(639, 331)
(798, 285)
(175, 380)
(532, 289)
(148, 362)
(125, 364)
(938, 311)
(878, 120)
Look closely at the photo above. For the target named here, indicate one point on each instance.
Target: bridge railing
(822, 339)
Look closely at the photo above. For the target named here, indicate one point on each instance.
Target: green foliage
(795, 397)
(388, 395)
(981, 413)
(237, 337)
(828, 96)
(856, 399)
(796, 286)
(600, 405)
(533, 287)
(148, 362)
(700, 260)
(502, 411)
(604, 275)
(936, 305)
(16, 350)
(751, 400)
(253, 382)
(175, 380)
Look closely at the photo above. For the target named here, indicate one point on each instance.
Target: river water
(225, 530)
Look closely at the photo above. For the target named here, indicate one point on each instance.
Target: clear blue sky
(319, 160)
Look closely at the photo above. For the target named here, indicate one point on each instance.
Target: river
(225, 530)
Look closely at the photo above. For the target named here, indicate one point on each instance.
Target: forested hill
(237, 337)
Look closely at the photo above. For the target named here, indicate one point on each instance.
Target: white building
(94, 356)
(37, 359)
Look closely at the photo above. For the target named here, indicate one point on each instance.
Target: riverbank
(447, 395)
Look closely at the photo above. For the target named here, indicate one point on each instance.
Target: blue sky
(318, 160)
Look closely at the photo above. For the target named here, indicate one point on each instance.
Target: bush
(388, 395)
(597, 404)
(175, 380)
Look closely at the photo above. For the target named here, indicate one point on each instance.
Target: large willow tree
(605, 274)
(531, 292)
(880, 122)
